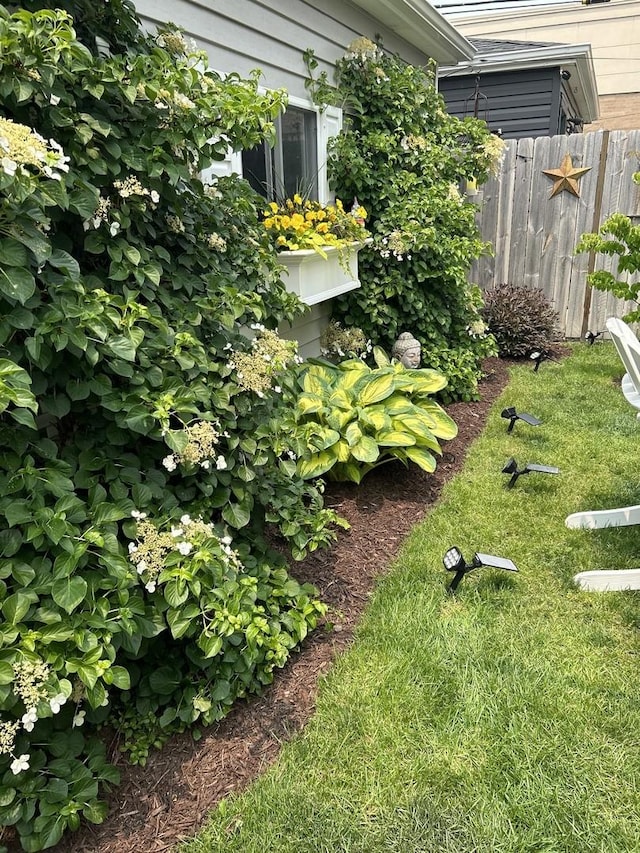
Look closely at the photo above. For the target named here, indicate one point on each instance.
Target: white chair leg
(608, 580)
(600, 518)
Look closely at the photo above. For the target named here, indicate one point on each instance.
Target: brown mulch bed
(168, 800)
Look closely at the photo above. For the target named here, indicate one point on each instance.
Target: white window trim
(328, 124)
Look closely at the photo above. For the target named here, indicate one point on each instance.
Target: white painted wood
(599, 519)
(307, 329)
(613, 580)
(316, 279)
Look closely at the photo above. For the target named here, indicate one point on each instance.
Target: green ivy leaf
(69, 592)
(17, 283)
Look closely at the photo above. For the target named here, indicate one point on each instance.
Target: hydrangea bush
(142, 451)
(404, 157)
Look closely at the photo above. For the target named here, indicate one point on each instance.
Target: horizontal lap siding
(241, 35)
(520, 103)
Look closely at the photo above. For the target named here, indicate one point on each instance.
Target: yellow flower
(273, 207)
(297, 199)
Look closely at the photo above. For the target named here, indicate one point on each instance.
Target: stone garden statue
(407, 350)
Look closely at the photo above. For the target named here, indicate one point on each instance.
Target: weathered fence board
(534, 234)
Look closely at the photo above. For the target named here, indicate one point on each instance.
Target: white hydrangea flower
(185, 548)
(142, 567)
(185, 519)
(132, 547)
(21, 763)
(155, 196)
(56, 702)
(151, 586)
(78, 719)
(169, 462)
(221, 463)
(176, 531)
(29, 719)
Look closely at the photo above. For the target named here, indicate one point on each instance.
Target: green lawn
(505, 719)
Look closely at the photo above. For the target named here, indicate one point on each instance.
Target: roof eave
(574, 58)
(422, 26)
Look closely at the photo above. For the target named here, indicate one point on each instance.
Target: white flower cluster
(361, 50)
(413, 143)
(477, 329)
(30, 685)
(152, 546)
(202, 441)
(270, 354)
(173, 42)
(216, 242)
(132, 186)
(175, 224)
(396, 245)
(21, 147)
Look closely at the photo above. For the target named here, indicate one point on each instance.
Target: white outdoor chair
(628, 348)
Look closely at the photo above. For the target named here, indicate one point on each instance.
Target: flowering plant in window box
(299, 223)
(318, 245)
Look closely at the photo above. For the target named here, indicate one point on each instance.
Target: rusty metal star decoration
(566, 177)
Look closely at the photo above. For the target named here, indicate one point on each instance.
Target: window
(292, 165)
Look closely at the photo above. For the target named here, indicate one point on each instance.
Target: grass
(505, 719)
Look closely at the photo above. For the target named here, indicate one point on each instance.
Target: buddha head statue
(407, 350)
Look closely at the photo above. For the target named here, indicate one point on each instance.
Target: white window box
(314, 278)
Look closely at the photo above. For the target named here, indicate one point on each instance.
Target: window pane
(254, 169)
(292, 165)
(299, 159)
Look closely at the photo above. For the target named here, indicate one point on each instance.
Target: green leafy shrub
(520, 319)
(617, 237)
(126, 286)
(352, 418)
(403, 156)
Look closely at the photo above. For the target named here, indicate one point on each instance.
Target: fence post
(597, 212)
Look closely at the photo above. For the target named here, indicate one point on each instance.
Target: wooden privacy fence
(534, 235)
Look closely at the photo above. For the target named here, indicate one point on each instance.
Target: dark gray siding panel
(519, 103)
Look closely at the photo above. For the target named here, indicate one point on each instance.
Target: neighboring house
(241, 35)
(523, 88)
(612, 29)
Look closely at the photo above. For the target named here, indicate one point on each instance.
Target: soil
(167, 801)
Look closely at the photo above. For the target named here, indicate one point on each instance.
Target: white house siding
(240, 35)
(272, 35)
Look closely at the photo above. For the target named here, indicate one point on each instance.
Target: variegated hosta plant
(352, 418)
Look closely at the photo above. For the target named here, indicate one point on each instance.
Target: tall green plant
(619, 238)
(139, 463)
(403, 157)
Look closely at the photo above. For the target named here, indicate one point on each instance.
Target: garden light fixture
(590, 337)
(453, 561)
(513, 416)
(511, 467)
(539, 356)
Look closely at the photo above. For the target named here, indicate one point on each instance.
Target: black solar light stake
(454, 562)
(513, 416)
(539, 356)
(590, 337)
(511, 467)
